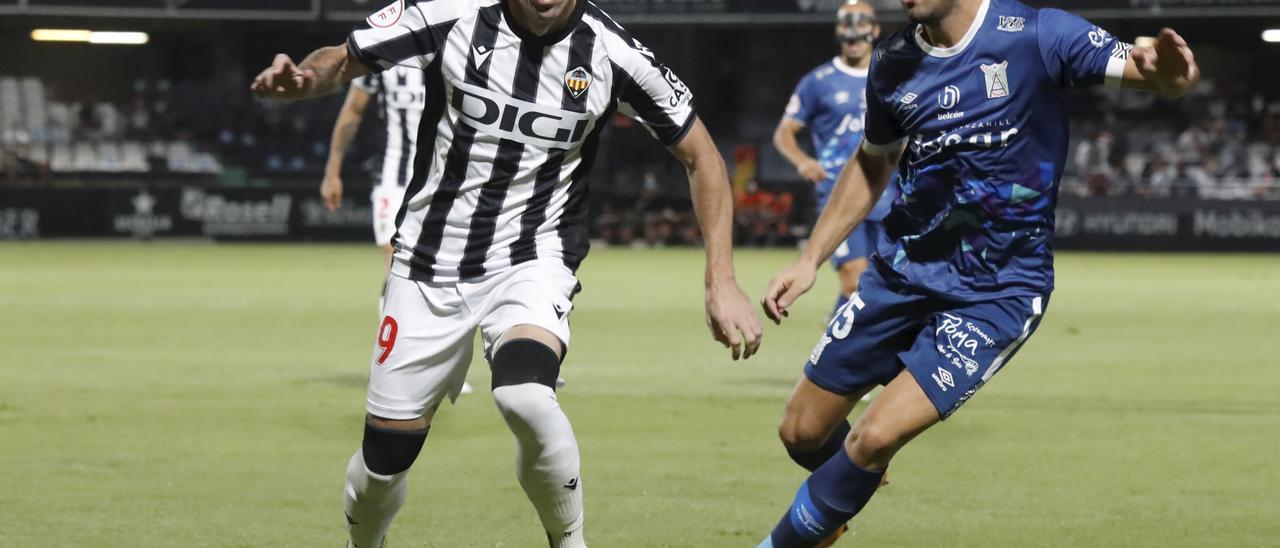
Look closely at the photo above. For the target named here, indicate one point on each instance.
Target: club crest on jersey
(387, 17)
(997, 76)
(577, 81)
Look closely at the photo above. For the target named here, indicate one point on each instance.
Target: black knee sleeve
(524, 361)
(388, 452)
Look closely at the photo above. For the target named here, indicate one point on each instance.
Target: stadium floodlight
(1271, 35)
(89, 36)
(127, 38)
(61, 35)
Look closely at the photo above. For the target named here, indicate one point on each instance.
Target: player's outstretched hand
(284, 80)
(732, 320)
(1170, 66)
(786, 287)
(331, 191)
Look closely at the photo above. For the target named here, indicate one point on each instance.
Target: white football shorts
(425, 340)
(386, 204)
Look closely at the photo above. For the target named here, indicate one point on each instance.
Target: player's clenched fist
(284, 80)
(732, 321)
(786, 287)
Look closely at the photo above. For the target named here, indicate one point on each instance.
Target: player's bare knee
(798, 436)
(391, 446)
(873, 445)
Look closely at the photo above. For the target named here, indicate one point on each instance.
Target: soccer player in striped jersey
(494, 224)
(966, 104)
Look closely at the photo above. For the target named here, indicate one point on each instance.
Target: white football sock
(546, 459)
(572, 539)
(371, 501)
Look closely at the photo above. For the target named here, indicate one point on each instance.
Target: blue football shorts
(951, 348)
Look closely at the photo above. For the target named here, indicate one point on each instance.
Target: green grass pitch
(185, 394)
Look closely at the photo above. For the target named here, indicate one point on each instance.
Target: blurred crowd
(1217, 144)
(653, 217)
(161, 127)
(644, 212)
(148, 133)
(1212, 145)
(763, 218)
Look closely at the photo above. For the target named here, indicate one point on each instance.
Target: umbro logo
(908, 102)
(573, 484)
(944, 379)
(481, 54)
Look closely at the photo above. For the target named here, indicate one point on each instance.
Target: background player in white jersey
(399, 94)
(494, 224)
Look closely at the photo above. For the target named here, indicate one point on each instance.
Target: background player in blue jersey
(973, 90)
(831, 102)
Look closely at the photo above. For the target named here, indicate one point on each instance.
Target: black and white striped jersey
(400, 94)
(510, 128)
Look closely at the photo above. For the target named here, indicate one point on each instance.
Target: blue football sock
(835, 492)
(811, 460)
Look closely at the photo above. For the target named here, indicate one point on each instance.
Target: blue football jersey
(986, 142)
(832, 102)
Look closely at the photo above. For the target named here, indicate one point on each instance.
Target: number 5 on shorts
(387, 338)
(842, 324)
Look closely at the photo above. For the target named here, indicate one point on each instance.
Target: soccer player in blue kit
(969, 98)
(831, 102)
